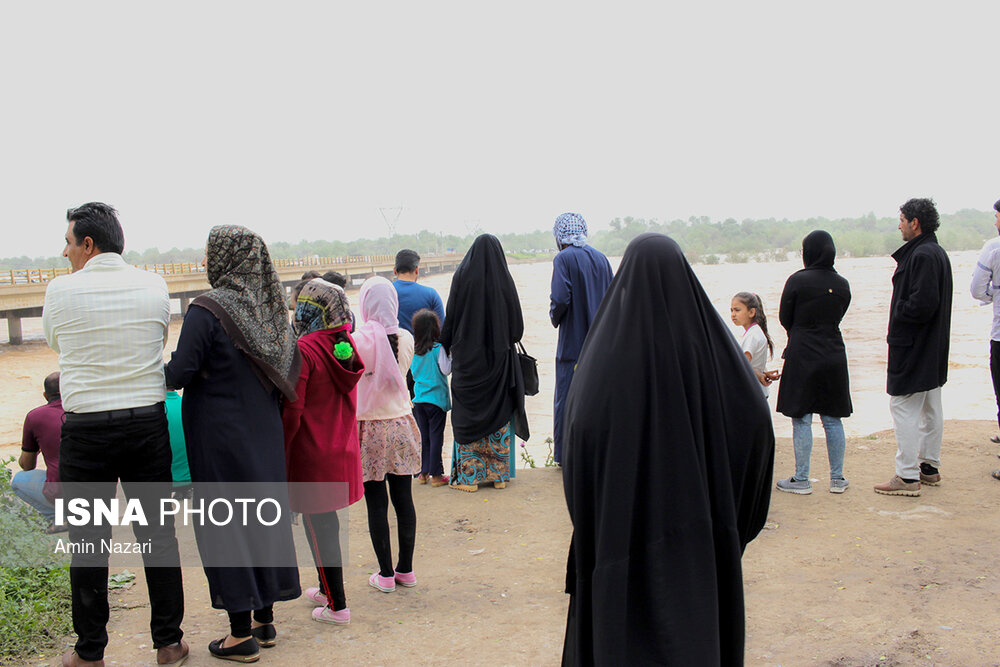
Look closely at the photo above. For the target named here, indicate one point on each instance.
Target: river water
(968, 394)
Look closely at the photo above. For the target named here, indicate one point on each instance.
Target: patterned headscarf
(571, 229)
(249, 301)
(321, 305)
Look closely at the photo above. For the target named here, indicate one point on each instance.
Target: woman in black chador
(814, 378)
(482, 325)
(667, 471)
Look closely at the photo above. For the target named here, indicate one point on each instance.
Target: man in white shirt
(108, 322)
(985, 286)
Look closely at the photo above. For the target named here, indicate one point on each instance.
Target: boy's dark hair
(426, 330)
(996, 207)
(924, 211)
(394, 344)
(309, 275)
(338, 279)
(99, 222)
(50, 386)
(407, 261)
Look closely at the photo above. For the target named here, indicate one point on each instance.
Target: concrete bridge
(22, 292)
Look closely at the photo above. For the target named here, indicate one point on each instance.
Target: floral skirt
(489, 459)
(389, 446)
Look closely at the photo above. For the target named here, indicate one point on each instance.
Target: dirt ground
(855, 579)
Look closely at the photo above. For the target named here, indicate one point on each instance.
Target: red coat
(321, 431)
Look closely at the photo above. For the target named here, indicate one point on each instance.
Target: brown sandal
(995, 474)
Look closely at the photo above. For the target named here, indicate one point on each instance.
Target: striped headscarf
(571, 229)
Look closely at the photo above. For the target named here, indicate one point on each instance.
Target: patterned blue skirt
(489, 459)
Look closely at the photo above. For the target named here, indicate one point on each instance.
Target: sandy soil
(857, 579)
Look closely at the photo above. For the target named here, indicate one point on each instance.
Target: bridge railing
(29, 276)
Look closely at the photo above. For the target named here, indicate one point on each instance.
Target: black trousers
(995, 372)
(323, 532)
(378, 522)
(430, 420)
(93, 457)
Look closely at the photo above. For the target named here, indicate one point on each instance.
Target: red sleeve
(29, 443)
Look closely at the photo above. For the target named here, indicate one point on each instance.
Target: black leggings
(323, 533)
(378, 522)
(239, 621)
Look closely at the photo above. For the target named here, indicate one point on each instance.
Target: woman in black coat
(235, 358)
(814, 378)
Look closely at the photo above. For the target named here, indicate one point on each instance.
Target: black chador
(668, 458)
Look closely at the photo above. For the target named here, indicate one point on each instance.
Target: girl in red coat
(321, 437)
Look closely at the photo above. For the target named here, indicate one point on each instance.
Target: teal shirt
(429, 384)
(175, 425)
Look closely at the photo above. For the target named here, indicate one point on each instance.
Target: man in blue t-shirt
(413, 297)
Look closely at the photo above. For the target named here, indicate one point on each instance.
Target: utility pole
(474, 227)
(390, 215)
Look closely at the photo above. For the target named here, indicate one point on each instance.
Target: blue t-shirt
(413, 297)
(429, 384)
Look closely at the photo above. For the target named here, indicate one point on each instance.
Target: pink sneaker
(407, 579)
(326, 615)
(316, 596)
(384, 584)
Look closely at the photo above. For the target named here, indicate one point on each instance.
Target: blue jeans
(802, 441)
(27, 485)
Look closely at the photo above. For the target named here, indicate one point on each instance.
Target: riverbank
(837, 580)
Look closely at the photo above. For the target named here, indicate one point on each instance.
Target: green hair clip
(343, 350)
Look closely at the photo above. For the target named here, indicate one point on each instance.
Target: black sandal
(995, 438)
(265, 635)
(246, 651)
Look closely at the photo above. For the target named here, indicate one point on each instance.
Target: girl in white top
(747, 311)
(388, 434)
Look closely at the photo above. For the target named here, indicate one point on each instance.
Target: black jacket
(814, 378)
(919, 317)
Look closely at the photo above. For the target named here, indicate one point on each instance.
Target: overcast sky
(301, 120)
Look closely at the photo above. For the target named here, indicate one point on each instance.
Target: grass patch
(35, 601)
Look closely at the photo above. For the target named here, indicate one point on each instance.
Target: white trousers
(919, 424)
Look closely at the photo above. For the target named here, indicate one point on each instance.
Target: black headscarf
(667, 461)
(818, 250)
(483, 322)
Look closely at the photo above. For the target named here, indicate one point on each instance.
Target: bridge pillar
(14, 330)
(185, 302)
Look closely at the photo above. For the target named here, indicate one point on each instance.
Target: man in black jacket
(919, 328)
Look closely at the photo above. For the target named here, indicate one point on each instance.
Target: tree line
(702, 239)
